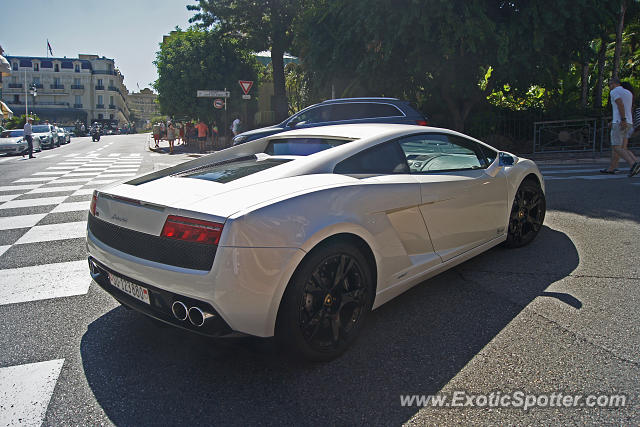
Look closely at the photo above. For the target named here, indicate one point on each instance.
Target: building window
(111, 100)
(78, 101)
(111, 116)
(15, 66)
(56, 67)
(100, 99)
(16, 99)
(76, 82)
(36, 66)
(56, 81)
(77, 68)
(100, 116)
(36, 80)
(111, 83)
(99, 82)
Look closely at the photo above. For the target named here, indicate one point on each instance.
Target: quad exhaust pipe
(197, 317)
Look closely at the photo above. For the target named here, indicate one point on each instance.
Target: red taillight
(192, 230)
(422, 123)
(94, 200)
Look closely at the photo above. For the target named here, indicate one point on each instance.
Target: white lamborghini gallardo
(301, 234)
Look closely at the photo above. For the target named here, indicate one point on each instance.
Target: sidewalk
(192, 149)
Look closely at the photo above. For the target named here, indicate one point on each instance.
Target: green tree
(197, 59)
(17, 122)
(260, 26)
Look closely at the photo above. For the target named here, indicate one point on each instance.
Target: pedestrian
(621, 128)
(163, 130)
(156, 134)
(171, 136)
(180, 127)
(214, 133)
(235, 126)
(28, 135)
(203, 131)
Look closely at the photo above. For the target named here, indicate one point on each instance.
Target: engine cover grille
(173, 252)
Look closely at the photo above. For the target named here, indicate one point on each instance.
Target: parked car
(301, 234)
(62, 137)
(46, 134)
(12, 142)
(342, 111)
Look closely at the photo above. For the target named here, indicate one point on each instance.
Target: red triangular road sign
(246, 86)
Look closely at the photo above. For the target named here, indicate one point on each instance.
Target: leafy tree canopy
(198, 59)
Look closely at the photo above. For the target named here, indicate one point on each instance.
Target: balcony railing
(77, 86)
(113, 88)
(77, 105)
(99, 87)
(56, 86)
(112, 107)
(15, 85)
(103, 72)
(101, 106)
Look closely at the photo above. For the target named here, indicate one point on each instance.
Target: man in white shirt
(621, 127)
(28, 136)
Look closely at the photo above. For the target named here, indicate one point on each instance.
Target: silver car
(46, 135)
(12, 142)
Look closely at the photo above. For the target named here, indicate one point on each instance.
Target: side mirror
(505, 160)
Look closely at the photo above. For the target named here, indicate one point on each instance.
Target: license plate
(136, 291)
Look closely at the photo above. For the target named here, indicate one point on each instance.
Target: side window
(382, 159)
(362, 110)
(314, 115)
(441, 152)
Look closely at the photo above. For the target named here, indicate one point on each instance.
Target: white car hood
(12, 140)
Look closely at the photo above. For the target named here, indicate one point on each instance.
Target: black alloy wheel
(527, 214)
(326, 302)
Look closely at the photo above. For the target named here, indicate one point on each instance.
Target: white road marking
(19, 187)
(41, 179)
(50, 156)
(5, 159)
(72, 175)
(25, 392)
(557, 171)
(4, 249)
(73, 206)
(54, 189)
(51, 173)
(50, 232)
(20, 221)
(62, 167)
(83, 192)
(113, 175)
(72, 155)
(8, 197)
(64, 180)
(33, 202)
(102, 181)
(114, 154)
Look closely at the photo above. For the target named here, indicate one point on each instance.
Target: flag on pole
(138, 86)
(49, 47)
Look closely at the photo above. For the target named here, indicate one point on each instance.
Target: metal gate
(565, 136)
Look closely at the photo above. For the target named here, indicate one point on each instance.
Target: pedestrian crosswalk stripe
(50, 232)
(19, 187)
(4, 249)
(113, 175)
(25, 392)
(39, 179)
(48, 173)
(588, 177)
(70, 181)
(72, 206)
(20, 221)
(82, 174)
(54, 189)
(83, 192)
(8, 197)
(33, 202)
(102, 181)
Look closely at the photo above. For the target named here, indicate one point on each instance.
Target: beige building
(88, 88)
(143, 107)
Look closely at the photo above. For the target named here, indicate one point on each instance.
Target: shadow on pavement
(141, 374)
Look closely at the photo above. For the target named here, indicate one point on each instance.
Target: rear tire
(527, 214)
(326, 302)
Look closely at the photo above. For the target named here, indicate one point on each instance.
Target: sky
(127, 31)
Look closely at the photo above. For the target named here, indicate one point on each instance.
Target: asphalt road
(558, 316)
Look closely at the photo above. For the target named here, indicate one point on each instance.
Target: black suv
(341, 111)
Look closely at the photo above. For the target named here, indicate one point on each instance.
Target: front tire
(527, 214)
(326, 302)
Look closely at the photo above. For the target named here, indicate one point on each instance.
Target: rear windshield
(300, 146)
(228, 172)
(11, 133)
(41, 129)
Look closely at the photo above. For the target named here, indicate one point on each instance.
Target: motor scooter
(95, 134)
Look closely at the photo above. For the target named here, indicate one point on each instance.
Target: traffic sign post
(213, 94)
(246, 86)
